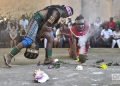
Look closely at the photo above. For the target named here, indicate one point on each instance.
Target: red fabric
(111, 25)
(74, 30)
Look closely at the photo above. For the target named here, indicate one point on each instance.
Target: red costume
(81, 46)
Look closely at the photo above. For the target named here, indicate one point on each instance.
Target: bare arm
(48, 24)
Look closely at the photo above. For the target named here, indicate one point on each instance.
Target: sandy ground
(21, 72)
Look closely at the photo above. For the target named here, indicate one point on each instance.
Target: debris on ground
(40, 76)
(79, 67)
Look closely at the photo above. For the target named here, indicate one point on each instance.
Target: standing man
(40, 26)
(111, 24)
(23, 26)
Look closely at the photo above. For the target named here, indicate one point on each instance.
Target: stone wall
(116, 9)
(89, 8)
(96, 8)
(16, 8)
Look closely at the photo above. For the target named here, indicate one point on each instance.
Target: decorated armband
(51, 19)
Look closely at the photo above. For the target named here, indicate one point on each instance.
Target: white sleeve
(27, 22)
(57, 32)
(102, 32)
(110, 31)
(20, 22)
(113, 33)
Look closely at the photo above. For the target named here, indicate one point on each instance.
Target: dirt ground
(21, 74)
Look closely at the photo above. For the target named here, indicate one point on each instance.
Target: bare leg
(73, 48)
(14, 51)
(48, 49)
